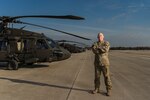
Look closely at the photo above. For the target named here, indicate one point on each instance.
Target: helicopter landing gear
(30, 63)
(12, 65)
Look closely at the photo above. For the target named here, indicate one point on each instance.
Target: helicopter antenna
(23, 27)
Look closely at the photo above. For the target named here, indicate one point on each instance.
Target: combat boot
(108, 92)
(96, 91)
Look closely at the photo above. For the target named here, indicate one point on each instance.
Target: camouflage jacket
(101, 49)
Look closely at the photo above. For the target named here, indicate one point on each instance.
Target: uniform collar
(100, 42)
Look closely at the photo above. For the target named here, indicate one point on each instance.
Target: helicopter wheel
(13, 64)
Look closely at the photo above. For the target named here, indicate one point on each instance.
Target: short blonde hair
(100, 34)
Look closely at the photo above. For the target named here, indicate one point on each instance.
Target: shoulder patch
(95, 43)
(107, 43)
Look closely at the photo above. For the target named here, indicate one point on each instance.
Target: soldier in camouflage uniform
(101, 49)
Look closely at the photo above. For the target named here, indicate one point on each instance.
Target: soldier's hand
(100, 47)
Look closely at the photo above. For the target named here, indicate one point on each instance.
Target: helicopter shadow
(34, 66)
(3, 66)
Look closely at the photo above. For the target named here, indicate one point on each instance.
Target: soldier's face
(101, 38)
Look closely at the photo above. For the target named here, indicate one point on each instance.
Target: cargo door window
(3, 45)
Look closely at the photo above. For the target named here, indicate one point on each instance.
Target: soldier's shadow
(20, 81)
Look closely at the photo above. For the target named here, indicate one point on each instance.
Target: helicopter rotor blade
(20, 22)
(71, 42)
(11, 19)
(50, 16)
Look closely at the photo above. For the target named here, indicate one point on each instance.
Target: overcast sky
(123, 22)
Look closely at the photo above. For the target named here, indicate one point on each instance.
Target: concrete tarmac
(73, 79)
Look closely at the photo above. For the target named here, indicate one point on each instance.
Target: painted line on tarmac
(76, 78)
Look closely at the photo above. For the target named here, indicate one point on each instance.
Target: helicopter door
(42, 50)
(26, 52)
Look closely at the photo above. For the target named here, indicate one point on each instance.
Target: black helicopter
(18, 46)
(72, 46)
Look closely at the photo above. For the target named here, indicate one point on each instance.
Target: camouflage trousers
(106, 74)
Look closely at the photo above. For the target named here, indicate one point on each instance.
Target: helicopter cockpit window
(3, 45)
(41, 44)
(52, 43)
